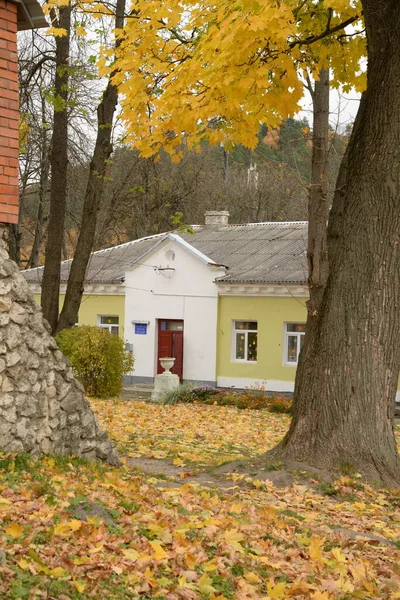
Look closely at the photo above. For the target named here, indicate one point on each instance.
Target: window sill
(290, 364)
(243, 362)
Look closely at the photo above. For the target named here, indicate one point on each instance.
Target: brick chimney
(216, 218)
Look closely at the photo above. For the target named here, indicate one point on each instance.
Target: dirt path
(218, 477)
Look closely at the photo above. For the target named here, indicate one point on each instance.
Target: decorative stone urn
(167, 363)
(165, 382)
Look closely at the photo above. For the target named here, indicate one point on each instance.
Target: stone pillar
(43, 409)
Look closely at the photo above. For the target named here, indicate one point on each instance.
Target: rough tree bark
(59, 168)
(347, 380)
(98, 165)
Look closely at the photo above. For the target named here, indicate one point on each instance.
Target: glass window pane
(114, 329)
(252, 346)
(298, 327)
(240, 346)
(109, 320)
(174, 326)
(246, 325)
(292, 349)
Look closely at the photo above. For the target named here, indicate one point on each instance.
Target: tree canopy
(217, 69)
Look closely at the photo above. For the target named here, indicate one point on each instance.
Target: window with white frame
(245, 341)
(294, 338)
(109, 322)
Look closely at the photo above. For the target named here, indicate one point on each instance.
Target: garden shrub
(280, 405)
(250, 399)
(179, 394)
(98, 359)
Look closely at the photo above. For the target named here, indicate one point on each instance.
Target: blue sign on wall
(141, 328)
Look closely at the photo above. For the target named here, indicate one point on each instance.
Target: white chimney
(216, 218)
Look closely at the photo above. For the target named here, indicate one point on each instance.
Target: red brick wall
(9, 113)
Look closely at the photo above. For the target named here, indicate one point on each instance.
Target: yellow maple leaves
(217, 69)
(14, 530)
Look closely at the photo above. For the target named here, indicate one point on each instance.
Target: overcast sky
(343, 108)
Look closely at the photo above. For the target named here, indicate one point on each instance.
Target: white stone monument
(165, 382)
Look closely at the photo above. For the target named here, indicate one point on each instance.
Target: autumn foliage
(73, 530)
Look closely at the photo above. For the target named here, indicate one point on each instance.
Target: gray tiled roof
(253, 253)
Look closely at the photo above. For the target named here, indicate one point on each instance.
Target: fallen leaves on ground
(193, 434)
(71, 530)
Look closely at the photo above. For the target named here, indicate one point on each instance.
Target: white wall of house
(189, 294)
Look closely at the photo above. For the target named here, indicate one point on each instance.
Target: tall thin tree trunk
(94, 189)
(346, 382)
(59, 168)
(318, 205)
(318, 211)
(43, 190)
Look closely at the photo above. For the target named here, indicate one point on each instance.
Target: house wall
(189, 294)
(9, 113)
(94, 305)
(271, 315)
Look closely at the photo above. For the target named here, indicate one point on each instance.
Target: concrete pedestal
(163, 384)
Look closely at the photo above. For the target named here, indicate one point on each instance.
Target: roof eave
(30, 15)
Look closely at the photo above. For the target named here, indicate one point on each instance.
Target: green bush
(98, 359)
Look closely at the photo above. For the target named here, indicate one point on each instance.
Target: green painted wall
(94, 305)
(271, 314)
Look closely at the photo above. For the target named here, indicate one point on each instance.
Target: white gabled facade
(173, 281)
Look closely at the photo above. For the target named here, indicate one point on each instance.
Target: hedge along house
(228, 301)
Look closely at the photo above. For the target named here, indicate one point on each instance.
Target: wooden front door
(170, 343)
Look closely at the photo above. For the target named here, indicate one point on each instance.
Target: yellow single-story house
(228, 302)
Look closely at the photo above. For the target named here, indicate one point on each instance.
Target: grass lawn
(72, 530)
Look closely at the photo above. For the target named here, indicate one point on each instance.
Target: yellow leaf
(178, 461)
(321, 596)
(56, 31)
(130, 553)
(252, 577)
(14, 530)
(23, 564)
(315, 550)
(58, 572)
(159, 552)
(338, 554)
(96, 549)
(233, 537)
(205, 586)
(74, 524)
(191, 560)
(276, 591)
(79, 586)
(60, 529)
(81, 560)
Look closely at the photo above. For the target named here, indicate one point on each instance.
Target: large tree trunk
(347, 380)
(94, 189)
(59, 168)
